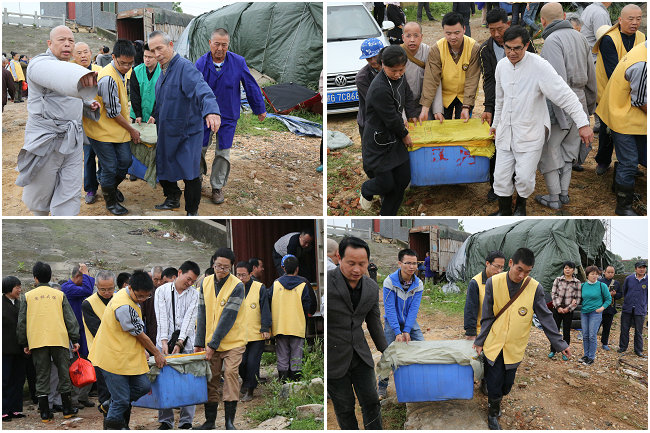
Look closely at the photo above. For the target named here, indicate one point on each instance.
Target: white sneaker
(365, 204)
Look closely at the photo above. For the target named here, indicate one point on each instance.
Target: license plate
(337, 98)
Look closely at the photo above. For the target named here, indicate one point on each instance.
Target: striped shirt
(107, 89)
(186, 306)
(637, 75)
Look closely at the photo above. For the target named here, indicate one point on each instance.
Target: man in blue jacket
(610, 312)
(183, 103)
(402, 296)
(223, 71)
(635, 307)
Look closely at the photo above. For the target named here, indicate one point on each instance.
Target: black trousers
(192, 192)
(499, 379)
(379, 12)
(466, 17)
(249, 369)
(626, 323)
(390, 185)
(425, 6)
(102, 390)
(13, 378)
(565, 320)
(606, 324)
(518, 11)
(18, 91)
(454, 109)
(605, 145)
(359, 380)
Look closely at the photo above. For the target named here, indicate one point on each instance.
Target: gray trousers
(43, 358)
(167, 415)
(288, 349)
(54, 397)
(220, 166)
(56, 188)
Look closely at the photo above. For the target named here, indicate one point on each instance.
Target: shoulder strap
(173, 307)
(412, 58)
(521, 290)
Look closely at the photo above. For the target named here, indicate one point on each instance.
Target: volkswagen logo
(340, 80)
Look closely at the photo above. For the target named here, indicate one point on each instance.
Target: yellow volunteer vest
(114, 350)
(511, 330)
(237, 336)
(45, 324)
(98, 308)
(287, 317)
(18, 75)
(453, 74)
(601, 75)
(251, 306)
(106, 129)
(615, 107)
(481, 295)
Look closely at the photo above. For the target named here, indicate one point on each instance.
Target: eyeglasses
(240, 276)
(221, 267)
(518, 49)
(499, 267)
(123, 64)
(410, 263)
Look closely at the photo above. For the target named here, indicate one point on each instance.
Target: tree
(461, 226)
(176, 7)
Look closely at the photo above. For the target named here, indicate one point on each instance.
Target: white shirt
(521, 116)
(186, 304)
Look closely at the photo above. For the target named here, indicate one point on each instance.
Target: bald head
(412, 36)
(630, 19)
(413, 26)
(551, 12)
(61, 43)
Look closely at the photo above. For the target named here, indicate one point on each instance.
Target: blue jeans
(630, 152)
(124, 390)
(590, 324)
(114, 159)
(529, 15)
(90, 169)
(416, 335)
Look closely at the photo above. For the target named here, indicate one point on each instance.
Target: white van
(348, 25)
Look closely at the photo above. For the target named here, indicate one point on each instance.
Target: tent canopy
(281, 40)
(552, 241)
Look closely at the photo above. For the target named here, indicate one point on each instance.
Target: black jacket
(344, 324)
(613, 285)
(382, 146)
(463, 7)
(472, 303)
(488, 66)
(10, 344)
(396, 15)
(363, 79)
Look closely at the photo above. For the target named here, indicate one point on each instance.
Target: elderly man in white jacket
(521, 121)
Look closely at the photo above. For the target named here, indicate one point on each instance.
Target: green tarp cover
(430, 352)
(195, 365)
(281, 40)
(553, 242)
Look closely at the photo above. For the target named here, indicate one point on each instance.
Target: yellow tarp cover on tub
(473, 135)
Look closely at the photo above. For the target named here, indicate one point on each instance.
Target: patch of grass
(274, 405)
(437, 10)
(21, 267)
(393, 416)
(448, 303)
(306, 424)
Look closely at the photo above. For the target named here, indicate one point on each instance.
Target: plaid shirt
(565, 291)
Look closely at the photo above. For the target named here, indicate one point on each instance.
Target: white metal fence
(349, 231)
(34, 19)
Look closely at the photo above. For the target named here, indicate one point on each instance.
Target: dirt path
(272, 175)
(550, 394)
(590, 194)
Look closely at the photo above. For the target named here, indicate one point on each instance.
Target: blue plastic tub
(173, 389)
(447, 165)
(434, 382)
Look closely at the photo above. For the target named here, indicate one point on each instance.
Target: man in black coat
(13, 358)
(370, 49)
(491, 52)
(352, 299)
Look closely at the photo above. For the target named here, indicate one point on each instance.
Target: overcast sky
(629, 235)
(189, 7)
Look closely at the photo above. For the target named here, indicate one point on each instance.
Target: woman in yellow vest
(289, 299)
(92, 311)
(503, 340)
(221, 331)
(110, 137)
(19, 76)
(623, 107)
(495, 261)
(258, 323)
(119, 350)
(46, 326)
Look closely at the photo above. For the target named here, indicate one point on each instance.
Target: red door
(71, 11)
(375, 226)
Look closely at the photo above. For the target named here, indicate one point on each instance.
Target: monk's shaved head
(551, 12)
(81, 46)
(631, 8)
(59, 30)
(412, 26)
(630, 19)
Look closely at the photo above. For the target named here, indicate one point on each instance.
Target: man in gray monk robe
(568, 52)
(50, 164)
(417, 53)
